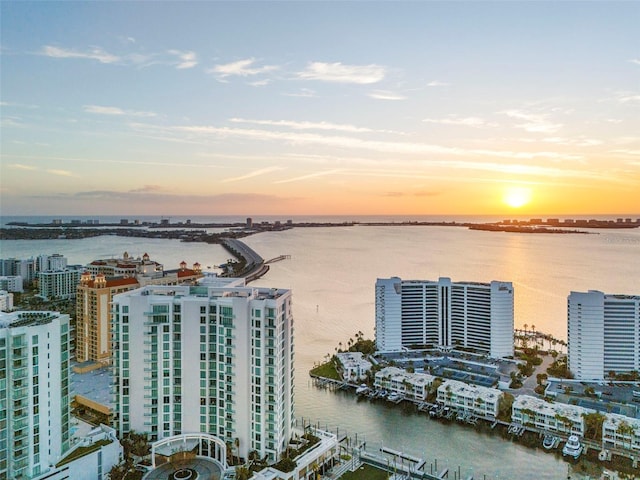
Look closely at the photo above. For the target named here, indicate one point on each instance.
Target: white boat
(362, 389)
(549, 441)
(395, 397)
(573, 447)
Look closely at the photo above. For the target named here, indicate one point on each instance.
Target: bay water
(332, 272)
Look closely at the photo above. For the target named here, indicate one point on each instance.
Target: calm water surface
(332, 273)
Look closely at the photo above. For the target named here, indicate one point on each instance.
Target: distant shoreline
(193, 232)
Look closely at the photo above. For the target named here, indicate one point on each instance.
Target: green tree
(243, 473)
(504, 407)
(134, 443)
(593, 425)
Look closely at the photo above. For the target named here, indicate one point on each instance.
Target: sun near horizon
(517, 197)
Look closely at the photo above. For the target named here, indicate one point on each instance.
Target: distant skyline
(320, 108)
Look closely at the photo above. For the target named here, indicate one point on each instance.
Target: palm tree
(229, 451)
(243, 473)
(236, 442)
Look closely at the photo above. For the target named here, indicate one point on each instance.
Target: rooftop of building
(539, 405)
(94, 385)
(447, 280)
(110, 282)
(610, 396)
(354, 357)
(613, 420)
(233, 288)
(400, 374)
(464, 389)
(26, 319)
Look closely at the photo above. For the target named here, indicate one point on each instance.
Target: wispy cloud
(103, 110)
(148, 189)
(580, 141)
(437, 83)
(341, 73)
(635, 60)
(230, 202)
(533, 122)
(255, 173)
(186, 59)
(344, 142)
(31, 168)
(627, 97)
(303, 92)
(411, 194)
(386, 95)
(310, 175)
(260, 83)
(475, 122)
(305, 125)
(626, 152)
(18, 105)
(95, 53)
(20, 166)
(61, 173)
(240, 68)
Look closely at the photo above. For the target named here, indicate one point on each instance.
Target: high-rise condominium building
(15, 267)
(214, 358)
(603, 333)
(93, 312)
(46, 263)
(59, 283)
(34, 392)
(444, 314)
(105, 278)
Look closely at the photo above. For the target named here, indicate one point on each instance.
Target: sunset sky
(216, 108)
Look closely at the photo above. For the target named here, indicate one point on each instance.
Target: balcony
(19, 424)
(20, 393)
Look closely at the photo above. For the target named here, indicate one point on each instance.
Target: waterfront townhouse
(475, 399)
(34, 392)
(619, 431)
(213, 358)
(354, 365)
(553, 417)
(444, 314)
(414, 386)
(603, 334)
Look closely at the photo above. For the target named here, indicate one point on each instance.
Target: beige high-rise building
(93, 299)
(102, 280)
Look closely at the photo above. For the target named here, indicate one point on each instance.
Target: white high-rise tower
(603, 333)
(212, 358)
(34, 392)
(444, 314)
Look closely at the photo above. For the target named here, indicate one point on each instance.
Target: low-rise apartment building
(354, 365)
(554, 417)
(414, 386)
(619, 431)
(475, 399)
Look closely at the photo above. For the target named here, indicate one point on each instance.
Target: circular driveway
(207, 469)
